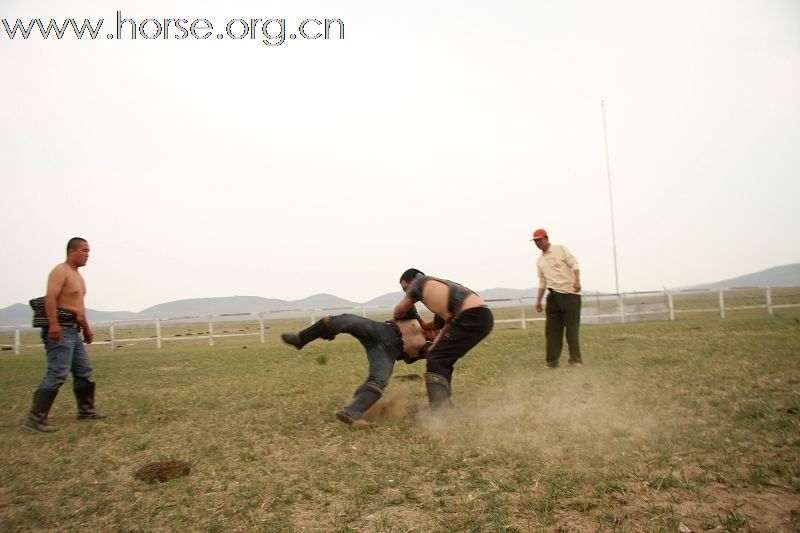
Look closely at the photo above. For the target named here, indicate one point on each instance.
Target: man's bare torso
(436, 296)
(413, 336)
(73, 291)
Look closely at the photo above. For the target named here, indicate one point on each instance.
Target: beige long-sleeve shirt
(555, 267)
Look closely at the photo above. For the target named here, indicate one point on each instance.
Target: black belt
(396, 328)
(398, 331)
(402, 355)
(563, 293)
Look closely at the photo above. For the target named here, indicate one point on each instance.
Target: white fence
(643, 305)
(597, 308)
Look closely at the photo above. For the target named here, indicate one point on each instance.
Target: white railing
(158, 338)
(627, 307)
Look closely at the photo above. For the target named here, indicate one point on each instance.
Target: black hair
(410, 274)
(75, 243)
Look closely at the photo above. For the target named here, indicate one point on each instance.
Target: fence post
(158, 333)
(522, 313)
(211, 330)
(671, 305)
(261, 325)
(16, 340)
(769, 302)
(313, 316)
(111, 334)
(721, 304)
(363, 311)
(621, 298)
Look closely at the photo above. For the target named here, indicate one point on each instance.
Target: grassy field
(670, 426)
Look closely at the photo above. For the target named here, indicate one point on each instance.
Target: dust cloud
(560, 412)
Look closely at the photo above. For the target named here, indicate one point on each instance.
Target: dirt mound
(390, 409)
(161, 471)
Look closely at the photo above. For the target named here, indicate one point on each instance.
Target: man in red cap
(559, 273)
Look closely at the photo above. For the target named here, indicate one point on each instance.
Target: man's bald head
(77, 252)
(409, 275)
(75, 243)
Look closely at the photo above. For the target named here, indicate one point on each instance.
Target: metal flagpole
(610, 197)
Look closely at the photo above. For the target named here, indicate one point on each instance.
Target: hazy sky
(435, 134)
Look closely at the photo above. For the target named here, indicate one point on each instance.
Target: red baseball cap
(539, 234)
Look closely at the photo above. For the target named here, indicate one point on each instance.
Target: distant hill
(388, 299)
(214, 306)
(15, 315)
(101, 316)
(502, 294)
(771, 277)
(323, 300)
(20, 314)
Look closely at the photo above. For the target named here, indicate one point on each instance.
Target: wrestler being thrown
(404, 339)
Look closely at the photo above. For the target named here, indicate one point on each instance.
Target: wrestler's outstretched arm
(402, 309)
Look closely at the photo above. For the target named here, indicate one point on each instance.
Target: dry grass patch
(690, 424)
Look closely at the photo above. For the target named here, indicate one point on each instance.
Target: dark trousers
(382, 340)
(459, 337)
(563, 311)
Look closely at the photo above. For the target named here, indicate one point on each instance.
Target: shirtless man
(385, 342)
(466, 319)
(64, 317)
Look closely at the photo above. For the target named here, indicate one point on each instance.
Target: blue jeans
(64, 356)
(381, 340)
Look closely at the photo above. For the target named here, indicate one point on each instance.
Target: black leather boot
(364, 397)
(318, 330)
(438, 389)
(84, 395)
(37, 418)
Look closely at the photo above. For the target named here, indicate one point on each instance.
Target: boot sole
(352, 422)
(344, 418)
(29, 428)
